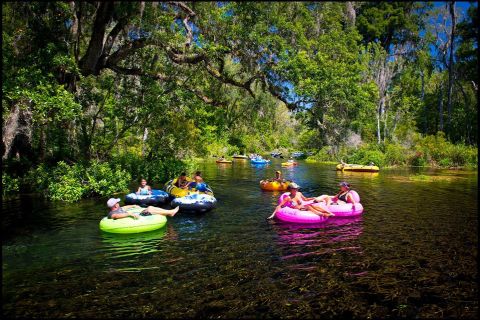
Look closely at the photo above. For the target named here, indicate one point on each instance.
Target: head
(143, 182)
(278, 174)
(113, 203)
(344, 186)
(293, 187)
(183, 175)
(198, 173)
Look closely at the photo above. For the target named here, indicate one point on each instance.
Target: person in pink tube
(294, 199)
(342, 197)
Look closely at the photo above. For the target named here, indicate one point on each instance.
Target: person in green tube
(118, 212)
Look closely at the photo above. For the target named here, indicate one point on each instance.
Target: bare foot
(174, 211)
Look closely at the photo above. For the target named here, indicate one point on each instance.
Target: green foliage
(365, 155)
(9, 184)
(323, 155)
(65, 183)
(72, 182)
(438, 151)
(154, 171)
(395, 154)
(104, 180)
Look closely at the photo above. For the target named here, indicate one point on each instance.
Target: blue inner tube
(157, 197)
(259, 161)
(195, 202)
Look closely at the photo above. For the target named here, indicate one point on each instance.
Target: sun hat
(112, 201)
(293, 185)
(277, 171)
(344, 184)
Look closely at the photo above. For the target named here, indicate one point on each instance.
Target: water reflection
(260, 165)
(132, 245)
(364, 175)
(334, 230)
(301, 240)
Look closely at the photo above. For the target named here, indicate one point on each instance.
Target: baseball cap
(277, 171)
(293, 185)
(344, 184)
(112, 201)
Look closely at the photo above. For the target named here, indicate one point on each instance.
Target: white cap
(112, 201)
(293, 185)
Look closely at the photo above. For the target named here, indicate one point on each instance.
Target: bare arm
(305, 198)
(124, 215)
(281, 205)
(131, 206)
(349, 196)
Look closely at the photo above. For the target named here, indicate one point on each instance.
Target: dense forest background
(98, 93)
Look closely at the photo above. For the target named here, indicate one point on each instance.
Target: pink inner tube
(345, 210)
(340, 210)
(288, 214)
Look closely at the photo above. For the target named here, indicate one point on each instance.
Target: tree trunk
(440, 108)
(422, 96)
(379, 114)
(89, 61)
(351, 14)
(450, 67)
(17, 132)
(144, 141)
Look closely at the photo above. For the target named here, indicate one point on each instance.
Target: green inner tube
(130, 225)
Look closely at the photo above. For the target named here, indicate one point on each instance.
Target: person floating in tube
(118, 212)
(182, 181)
(278, 177)
(197, 182)
(144, 189)
(342, 197)
(294, 199)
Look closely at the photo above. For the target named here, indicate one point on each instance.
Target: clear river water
(413, 252)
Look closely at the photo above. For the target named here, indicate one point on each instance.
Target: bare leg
(320, 211)
(164, 212)
(325, 198)
(273, 214)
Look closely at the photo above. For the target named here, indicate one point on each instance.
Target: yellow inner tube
(177, 192)
(274, 185)
(357, 167)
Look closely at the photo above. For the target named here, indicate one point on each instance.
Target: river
(413, 253)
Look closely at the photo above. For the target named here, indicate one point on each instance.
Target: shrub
(417, 159)
(458, 154)
(72, 182)
(156, 170)
(102, 180)
(9, 184)
(395, 154)
(367, 154)
(324, 155)
(445, 162)
(65, 183)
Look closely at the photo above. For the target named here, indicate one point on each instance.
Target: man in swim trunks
(118, 212)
